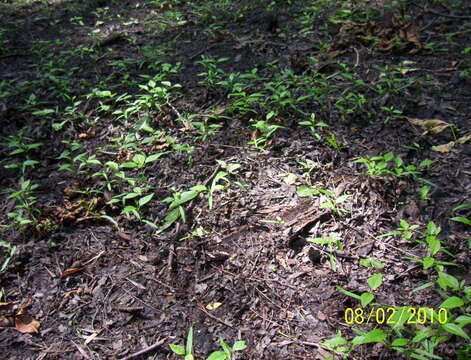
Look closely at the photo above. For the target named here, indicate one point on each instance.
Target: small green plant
(68, 154)
(21, 146)
(461, 219)
(227, 352)
(328, 199)
(176, 209)
(265, 130)
(139, 161)
(205, 129)
(424, 192)
(211, 74)
(331, 243)
(332, 141)
(390, 165)
(309, 166)
(133, 201)
(222, 176)
(9, 251)
(25, 213)
(314, 126)
(391, 113)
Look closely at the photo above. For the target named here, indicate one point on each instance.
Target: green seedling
(21, 147)
(9, 251)
(211, 74)
(461, 219)
(227, 352)
(309, 166)
(176, 209)
(25, 213)
(133, 201)
(265, 129)
(314, 126)
(139, 161)
(424, 193)
(331, 243)
(222, 176)
(205, 129)
(390, 165)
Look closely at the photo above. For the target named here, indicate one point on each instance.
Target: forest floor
(290, 174)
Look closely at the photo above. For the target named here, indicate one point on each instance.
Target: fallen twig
(145, 350)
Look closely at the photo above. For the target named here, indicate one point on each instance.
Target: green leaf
(150, 223)
(428, 354)
(461, 220)
(44, 112)
(199, 188)
(184, 197)
(455, 330)
(144, 200)
(225, 346)
(463, 320)
(428, 262)
(217, 355)
(446, 280)
(130, 196)
(424, 286)
(375, 281)
(306, 190)
(171, 217)
(336, 341)
(139, 159)
(348, 293)
(373, 336)
(433, 244)
(112, 165)
(400, 342)
(189, 341)
(129, 165)
(377, 264)
(422, 334)
(177, 349)
(239, 345)
(366, 298)
(400, 317)
(155, 156)
(110, 219)
(462, 206)
(452, 302)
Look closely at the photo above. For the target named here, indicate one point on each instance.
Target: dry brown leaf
(124, 236)
(430, 126)
(26, 324)
(444, 148)
(464, 139)
(72, 271)
(90, 338)
(213, 306)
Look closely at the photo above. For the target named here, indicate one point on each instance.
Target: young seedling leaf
(177, 349)
(239, 345)
(452, 302)
(456, 330)
(373, 336)
(366, 298)
(348, 293)
(217, 355)
(375, 281)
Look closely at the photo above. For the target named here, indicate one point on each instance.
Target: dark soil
(134, 287)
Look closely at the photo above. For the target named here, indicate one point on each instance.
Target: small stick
(145, 350)
(216, 318)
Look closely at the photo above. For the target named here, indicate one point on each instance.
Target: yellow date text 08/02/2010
(392, 315)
